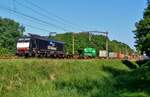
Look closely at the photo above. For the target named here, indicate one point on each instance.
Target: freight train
(35, 45)
(41, 46)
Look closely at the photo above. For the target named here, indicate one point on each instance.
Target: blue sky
(115, 16)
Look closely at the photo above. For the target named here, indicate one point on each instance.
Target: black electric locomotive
(35, 45)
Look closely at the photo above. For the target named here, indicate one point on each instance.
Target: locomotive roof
(43, 38)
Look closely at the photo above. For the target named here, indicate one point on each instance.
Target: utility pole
(73, 42)
(107, 44)
(90, 36)
(126, 51)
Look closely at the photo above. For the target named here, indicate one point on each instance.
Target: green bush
(4, 51)
(136, 81)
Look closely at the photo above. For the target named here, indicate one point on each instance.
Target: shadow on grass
(120, 81)
(114, 71)
(142, 62)
(86, 86)
(137, 80)
(129, 64)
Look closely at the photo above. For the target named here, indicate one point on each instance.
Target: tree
(142, 33)
(10, 31)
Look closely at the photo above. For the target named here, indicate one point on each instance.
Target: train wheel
(33, 55)
(26, 55)
(55, 56)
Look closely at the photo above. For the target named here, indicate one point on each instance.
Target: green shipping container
(89, 52)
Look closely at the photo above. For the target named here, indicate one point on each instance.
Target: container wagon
(87, 53)
(112, 55)
(103, 54)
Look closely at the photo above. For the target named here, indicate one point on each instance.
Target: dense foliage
(136, 80)
(9, 32)
(142, 33)
(97, 41)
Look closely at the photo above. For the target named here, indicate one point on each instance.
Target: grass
(65, 78)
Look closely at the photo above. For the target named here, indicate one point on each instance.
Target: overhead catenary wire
(39, 13)
(56, 16)
(29, 25)
(34, 27)
(31, 17)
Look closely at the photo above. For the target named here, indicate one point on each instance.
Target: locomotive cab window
(24, 40)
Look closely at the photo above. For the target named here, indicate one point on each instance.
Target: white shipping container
(103, 53)
(112, 55)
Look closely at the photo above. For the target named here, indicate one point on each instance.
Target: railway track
(16, 57)
(9, 57)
